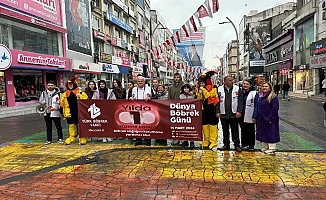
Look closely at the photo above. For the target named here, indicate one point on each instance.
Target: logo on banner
(94, 110)
(5, 57)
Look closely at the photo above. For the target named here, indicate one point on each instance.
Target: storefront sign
(286, 51)
(106, 58)
(116, 60)
(318, 61)
(284, 72)
(318, 47)
(137, 69)
(109, 68)
(114, 19)
(99, 35)
(5, 57)
(114, 41)
(272, 57)
(125, 61)
(257, 63)
(155, 119)
(28, 59)
(119, 42)
(49, 10)
(85, 67)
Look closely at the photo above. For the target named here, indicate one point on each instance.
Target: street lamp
(238, 56)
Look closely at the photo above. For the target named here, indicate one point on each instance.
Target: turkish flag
(216, 5)
(202, 12)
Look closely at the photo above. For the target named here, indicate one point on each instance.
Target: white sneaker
(60, 141)
(89, 139)
(109, 139)
(47, 142)
(269, 151)
(263, 150)
(104, 140)
(214, 148)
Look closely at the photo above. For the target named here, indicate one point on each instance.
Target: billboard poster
(192, 47)
(259, 35)
(304, 36)
(155, 119)
(78, 26)
(49, 11)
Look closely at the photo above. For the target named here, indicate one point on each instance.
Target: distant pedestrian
(286, 88)
(229, 110)
(51, 100)
(277, 88)
(324, 85)
(249, 115)
(186, 94)
(268, 119)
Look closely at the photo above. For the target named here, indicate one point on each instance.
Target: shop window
(117, 33)
(32, 39)
(4, 37)
(28, 85)
(3, 99)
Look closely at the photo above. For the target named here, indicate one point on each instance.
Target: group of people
(285, 87)
(256, 113)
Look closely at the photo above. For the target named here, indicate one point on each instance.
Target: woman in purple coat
(268, 131)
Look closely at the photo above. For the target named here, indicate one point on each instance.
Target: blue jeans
(285, 94)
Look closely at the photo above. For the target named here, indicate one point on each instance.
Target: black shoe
(185, 144)
(138, 143)
(192, 145)
(225, 148)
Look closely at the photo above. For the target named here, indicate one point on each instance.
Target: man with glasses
(51, 100)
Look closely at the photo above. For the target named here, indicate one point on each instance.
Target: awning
(84, 71)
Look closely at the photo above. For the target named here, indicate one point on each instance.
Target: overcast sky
(177, 12)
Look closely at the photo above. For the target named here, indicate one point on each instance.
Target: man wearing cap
(69, 103)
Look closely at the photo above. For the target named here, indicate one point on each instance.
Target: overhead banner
(155, 119)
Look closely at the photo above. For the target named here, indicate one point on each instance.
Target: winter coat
(186, 96)
(268, 129)
(175, 89)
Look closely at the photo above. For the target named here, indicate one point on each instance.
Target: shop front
(85, 71)
(318, 62)
(109, 72)
(25, 79)
(279, 59)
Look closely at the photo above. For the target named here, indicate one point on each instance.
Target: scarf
(89, 93)
(105, 92)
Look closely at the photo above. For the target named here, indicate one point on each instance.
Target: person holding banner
(207, 92)
(141, 92)
(69, 103)
(186, 94)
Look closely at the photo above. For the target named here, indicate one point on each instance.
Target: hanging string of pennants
(207, 9)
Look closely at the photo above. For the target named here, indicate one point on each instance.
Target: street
(29, 170)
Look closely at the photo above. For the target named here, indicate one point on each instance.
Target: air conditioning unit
(323, 15)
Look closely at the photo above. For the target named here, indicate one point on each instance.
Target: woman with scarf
(119, 92)
(268, 130)
(129, 90)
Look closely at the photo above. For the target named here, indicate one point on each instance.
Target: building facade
(36, 42)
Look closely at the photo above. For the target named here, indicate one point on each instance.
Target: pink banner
(28, 59)
(49, 10)
(125, 61)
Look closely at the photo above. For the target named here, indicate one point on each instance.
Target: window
(95, 3)
(117, 33)
(95, 22)
(4, 37)
(108, 49)
(132, 7)
(32, 39)
(98, 47)
(125, 18)
(105, 7)
(116, 12)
